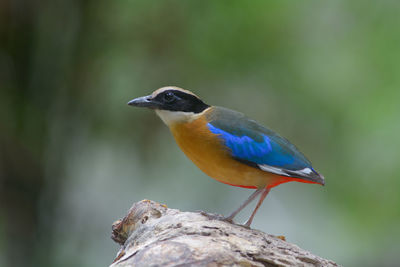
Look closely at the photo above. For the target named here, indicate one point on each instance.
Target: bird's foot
(212, 216)
(219, 217)
(228, 219)
(246, 226)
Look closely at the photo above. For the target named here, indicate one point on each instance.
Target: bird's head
(172, 104)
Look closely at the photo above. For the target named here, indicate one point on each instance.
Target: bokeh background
(74, 156)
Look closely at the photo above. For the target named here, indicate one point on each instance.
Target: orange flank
(212, 157)
(242, 186)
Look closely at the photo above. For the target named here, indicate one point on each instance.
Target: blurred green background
(74, 156)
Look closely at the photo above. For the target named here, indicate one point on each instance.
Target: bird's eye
(169, 97)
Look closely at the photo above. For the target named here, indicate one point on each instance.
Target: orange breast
(207, 151)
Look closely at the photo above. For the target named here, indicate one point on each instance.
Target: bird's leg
(264, 194)
(251, 197)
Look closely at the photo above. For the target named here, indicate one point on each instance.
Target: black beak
(144, 101)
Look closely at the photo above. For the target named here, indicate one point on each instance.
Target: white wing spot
(305, 170)
(272, 169)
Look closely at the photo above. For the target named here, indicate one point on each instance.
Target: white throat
(172, 117)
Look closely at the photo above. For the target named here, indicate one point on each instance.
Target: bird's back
(238, 125)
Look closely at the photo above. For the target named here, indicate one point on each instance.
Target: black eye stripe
(175, 100)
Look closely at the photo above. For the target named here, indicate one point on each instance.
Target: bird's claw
(212, 216)
(227, 219)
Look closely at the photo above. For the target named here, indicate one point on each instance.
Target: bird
(228, 146)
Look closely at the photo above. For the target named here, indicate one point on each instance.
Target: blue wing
(260, 147)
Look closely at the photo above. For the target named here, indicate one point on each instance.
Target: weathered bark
(153, 235)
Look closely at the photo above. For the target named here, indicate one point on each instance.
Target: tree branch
(153, 235)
